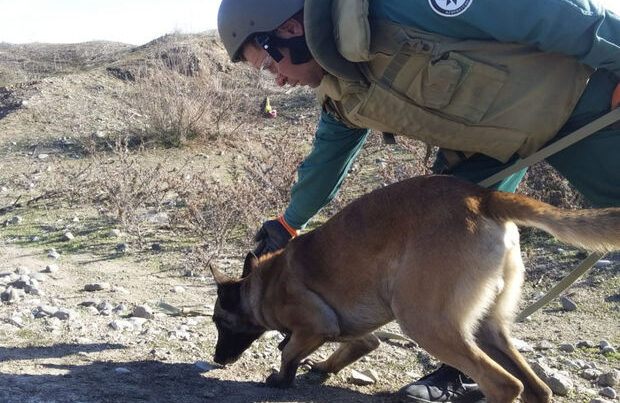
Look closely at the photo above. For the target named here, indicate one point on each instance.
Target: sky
(129, 21)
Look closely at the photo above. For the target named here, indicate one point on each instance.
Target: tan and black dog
(436, 253)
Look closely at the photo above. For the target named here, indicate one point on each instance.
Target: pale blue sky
(129, 21)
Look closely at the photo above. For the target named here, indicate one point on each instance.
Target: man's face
(285, 72)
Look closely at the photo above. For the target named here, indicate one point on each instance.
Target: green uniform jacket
(578, 28)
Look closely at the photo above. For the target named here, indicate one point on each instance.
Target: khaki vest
(468, 95)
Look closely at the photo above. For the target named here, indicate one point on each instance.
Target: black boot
(446, 384)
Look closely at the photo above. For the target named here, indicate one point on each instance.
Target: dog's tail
(593, 229)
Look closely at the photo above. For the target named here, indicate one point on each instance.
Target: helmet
(238, 20)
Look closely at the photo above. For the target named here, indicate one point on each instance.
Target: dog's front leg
(346, 354)
(298, 348)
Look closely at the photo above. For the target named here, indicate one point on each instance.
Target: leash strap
(570, 139)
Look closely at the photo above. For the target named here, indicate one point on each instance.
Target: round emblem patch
(449, 8)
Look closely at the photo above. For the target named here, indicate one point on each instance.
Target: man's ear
(290, 29)
(251, 262)
(229, 296)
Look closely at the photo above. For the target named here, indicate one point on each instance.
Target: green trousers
(592, 165)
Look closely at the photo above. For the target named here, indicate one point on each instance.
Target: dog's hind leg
(453, 347)
(346, 354)
(494, 341)
(298, 348)
(493, 334)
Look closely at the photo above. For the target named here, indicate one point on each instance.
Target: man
(488, 82)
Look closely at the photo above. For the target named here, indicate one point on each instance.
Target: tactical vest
(474, 96)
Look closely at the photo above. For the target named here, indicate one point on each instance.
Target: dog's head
(235, 329)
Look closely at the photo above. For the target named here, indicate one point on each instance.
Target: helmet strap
(297, 47)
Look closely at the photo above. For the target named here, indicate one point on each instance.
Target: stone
(559, 383)
(372, 374)
(143, 311)
(608, 350)
(609, 378)
(585, 344)
(567, 348)
(15, 294)
(64, 314)
(119, 309)
(114, 233)
(567, 304)
(53, 254)
(105, 308)
(571, 364)
(51, 268)
(121, 247)
(16, 220)
(357, 378)
(89, 302)
(156, 247)
(68, 236)
(97, 286)
(590, 374)
(608, 392)
(178, 289)
(604, 343)
(42, 156)
(597, 400)
(46, 310)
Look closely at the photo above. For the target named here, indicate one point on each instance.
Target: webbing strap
(566, 282)
(402, 57)
(566, 141)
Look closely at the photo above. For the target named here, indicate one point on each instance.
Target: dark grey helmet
(237, 20)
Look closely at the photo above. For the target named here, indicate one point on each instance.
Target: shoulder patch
(449, 8)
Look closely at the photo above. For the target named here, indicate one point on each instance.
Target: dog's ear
(219, 277)
(251, 261)
(229, 296)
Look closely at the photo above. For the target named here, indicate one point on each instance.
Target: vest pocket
(457, 86)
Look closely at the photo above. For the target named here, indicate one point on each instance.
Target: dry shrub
(179, 101)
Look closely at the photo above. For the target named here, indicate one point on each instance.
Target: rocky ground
(90, 312)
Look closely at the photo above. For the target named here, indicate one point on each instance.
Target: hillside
(125, 171)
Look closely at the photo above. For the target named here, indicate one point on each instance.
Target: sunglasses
(266, 42)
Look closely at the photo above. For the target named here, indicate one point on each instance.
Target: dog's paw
(276, 380)
(315, 366)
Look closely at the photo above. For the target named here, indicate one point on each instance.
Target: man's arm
(324, 169)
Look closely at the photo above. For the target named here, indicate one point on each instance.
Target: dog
(438, 254)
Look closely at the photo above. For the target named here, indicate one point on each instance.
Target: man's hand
(273, 236)
(615, 98)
